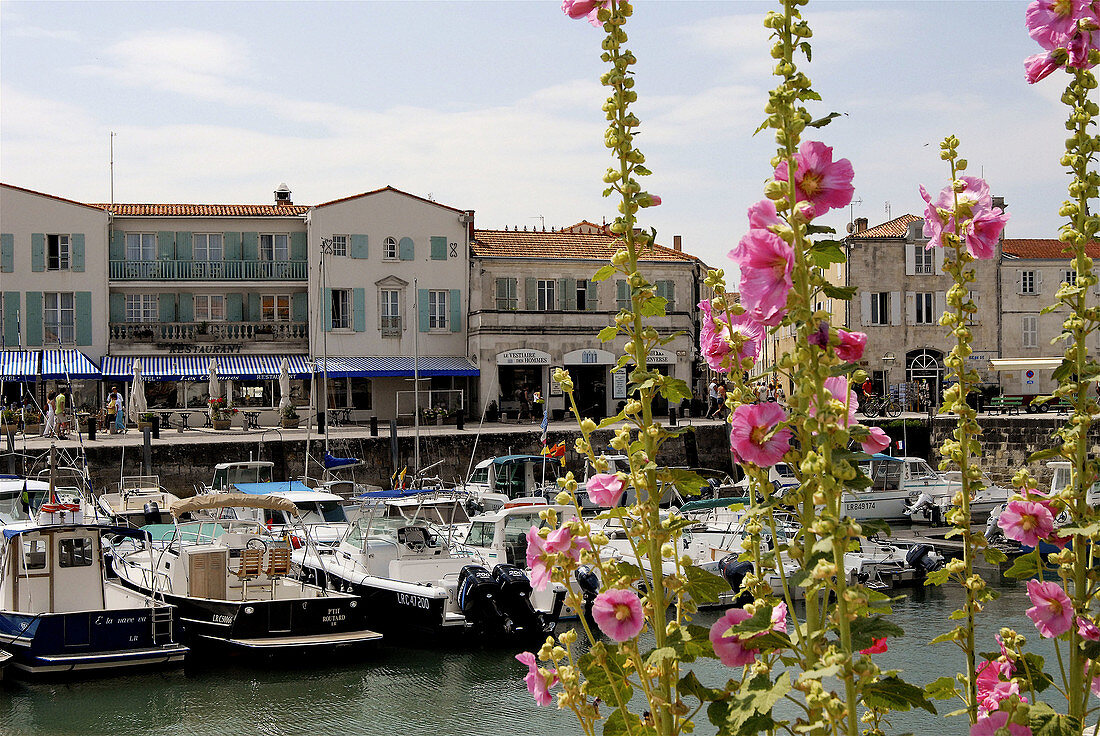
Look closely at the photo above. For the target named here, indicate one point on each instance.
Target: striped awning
(197, 368)
(18, 365)
(398, 366)
(66, 364)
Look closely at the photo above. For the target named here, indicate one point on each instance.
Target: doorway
(590, 390)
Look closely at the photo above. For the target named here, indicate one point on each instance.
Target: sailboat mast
(416, 385)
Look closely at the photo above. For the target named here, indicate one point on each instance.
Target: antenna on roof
(887, 208)
(542, 220)
(113, 134)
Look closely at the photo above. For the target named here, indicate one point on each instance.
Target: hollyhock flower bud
(1039, 67)
(1086, 629)
(1053, 610)
(878, 646)
(851, 345)
(588, 9)
(618, 613)
(605, 489)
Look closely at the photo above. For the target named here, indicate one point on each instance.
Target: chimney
(999, 202)
(861, 224)
(282, 195)
(677, 243)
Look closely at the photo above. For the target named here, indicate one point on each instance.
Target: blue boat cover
(396, 493)
(339, 462)
(122, 531)
(279, 486)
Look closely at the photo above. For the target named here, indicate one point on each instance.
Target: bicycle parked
(876, 405)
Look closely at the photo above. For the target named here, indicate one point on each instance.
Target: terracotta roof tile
(205, 210)
(896, 228)
(561, 244)
(1043, 249)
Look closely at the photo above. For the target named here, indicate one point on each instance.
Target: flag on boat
(557, 451)
(545, 423)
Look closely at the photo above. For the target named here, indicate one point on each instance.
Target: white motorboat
(232, 580)
(229, 474)
(139, 500)
(498, 480)
(413, 582)
(318, 513)
(60, 613)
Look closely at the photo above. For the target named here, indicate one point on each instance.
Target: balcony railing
(174, 270)
(187, 332)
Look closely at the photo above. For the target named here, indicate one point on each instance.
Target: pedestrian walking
(112, 409)
(61, 405)
(50, 428)
(712, 397)
(120, 415)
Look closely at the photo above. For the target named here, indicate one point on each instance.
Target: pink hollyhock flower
(824, 183)
(1053, 610)
(779, 617)
(989, 682)
(1086, 629)
(984, 223)
(877, 441)
(536, 559)
(763, 215)
(1039, 67)
(730, 649)
(984, 232)
(838, 387)
(560, 540)
(618, 613)
(605, 489)
(584, 9)
(715, 345)
(990, 724)
(537, 684)
(1026, 521)
(766, 262)
(851, 345)
(712, 344)
(878, 646)
(752, 336)
(1052, 23)
(753, 438)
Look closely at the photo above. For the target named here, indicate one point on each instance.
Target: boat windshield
(225, 477)
(920, 470)
(11, 508)
(887, 476)
(481, 475)
(380, 528)
(318, 512)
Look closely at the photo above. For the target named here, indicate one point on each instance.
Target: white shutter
(910, 260)
(939, 260)
(865, 308)
(910, 308)
(895, 307)
(941, 304)
(1038, 282)
(1019, 281)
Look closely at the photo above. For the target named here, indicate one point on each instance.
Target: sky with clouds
(495, 106)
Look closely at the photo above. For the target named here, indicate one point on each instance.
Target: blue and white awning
(66, 364)
(18, 365)
(396, 367)
(261, 367)
(197, 368)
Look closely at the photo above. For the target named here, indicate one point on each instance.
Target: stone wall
(1007, 441)
(182, 465)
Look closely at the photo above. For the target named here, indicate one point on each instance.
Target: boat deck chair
(278, 565)
(251, 562)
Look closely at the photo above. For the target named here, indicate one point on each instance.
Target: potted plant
(221, 414)
(32, 421)
(9, 421)
(145, 419)
(288, 418)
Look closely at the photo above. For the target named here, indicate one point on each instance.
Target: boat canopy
(231, 501)
(262, 489)
(332, 461)
(704, 504)
(509, 459)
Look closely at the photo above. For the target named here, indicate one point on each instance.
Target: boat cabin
(507, 477)
(501, 535)
(247, 471)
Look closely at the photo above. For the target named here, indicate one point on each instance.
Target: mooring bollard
(672, 417)
(374, 426)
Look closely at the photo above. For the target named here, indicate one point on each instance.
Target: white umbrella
(284, 384)
(138, 405)
(212, 380)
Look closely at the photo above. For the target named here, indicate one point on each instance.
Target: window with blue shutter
(506, 294)
(254, 313)
(422, 309)
(187, 307)
(38, 256)
(78, 255)
(359, 246)
(456, 310)
(667, 289)
(439, 248)
(11, 318)
(406, 249)
(298, 246)
(118, 245)
(250, 246)
(33, 326)
(359, 310)
(232, 246)
(117, 304)
(326, 313)
(531, 294)
(234, 307)
(622, 295)
(7, 253)
(184, 251)
(299, 306)
(82, 301)
(166, 307)
(166, 245)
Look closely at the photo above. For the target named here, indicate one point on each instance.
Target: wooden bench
(1006, 404)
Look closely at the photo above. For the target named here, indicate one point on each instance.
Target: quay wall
(182, 464)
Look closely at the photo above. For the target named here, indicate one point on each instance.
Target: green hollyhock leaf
(604, 273)
(942, 688)
(893, 693)
(866, 630)
(703, 586)
(654, 306)
(1023, 567)
(1044, 721)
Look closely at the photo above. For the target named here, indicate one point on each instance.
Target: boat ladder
(161, 617)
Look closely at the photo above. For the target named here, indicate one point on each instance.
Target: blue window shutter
(531, 294)
(622, 294)
(77, 243)
(568, 297)
(326, 313)
(422, 308)
(118, 245)
(439, 248)
(117, 304)
(7, 253)
(253, 307)
(166, 306)
(299, 306)
(232, 244)
(82, 303)
(250, 246)
(11, 318)
(298, 246)
(33, 324)
(455, 299)
(359, 315)
(592, 296)
(406, 249)
(184, 252)
(358, 246)
(38, 256)
(234, 307)
(670, 295)
(166, 245)
(187, 307)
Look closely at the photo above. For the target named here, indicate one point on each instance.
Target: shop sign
(555, 387)
(589, 356)
(232, 348)
(618, 384)
(657, 356)
(523, 357)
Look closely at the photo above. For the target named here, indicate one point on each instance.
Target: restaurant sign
(230, 348)
(523, 357)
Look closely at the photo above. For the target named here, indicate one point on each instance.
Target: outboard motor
(474, 507)
(589, 583)
(514, 600)
(923, 558)
(477, 596)
(734, 571)
(151, 512)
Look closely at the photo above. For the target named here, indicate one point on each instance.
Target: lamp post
(888, 361)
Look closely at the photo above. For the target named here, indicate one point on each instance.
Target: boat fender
(151, 512)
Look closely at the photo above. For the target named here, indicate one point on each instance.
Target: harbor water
(441, 691)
